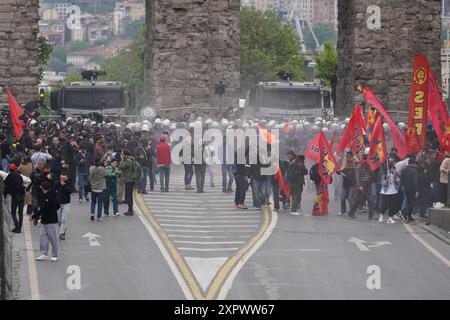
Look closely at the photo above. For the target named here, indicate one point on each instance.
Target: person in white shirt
(390, 184)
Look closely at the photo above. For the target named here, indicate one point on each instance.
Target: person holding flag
(363, 186)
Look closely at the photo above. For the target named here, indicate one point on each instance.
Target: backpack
(136, 170)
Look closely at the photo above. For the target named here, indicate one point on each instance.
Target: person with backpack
(131, 173)
(295, 174)
(111, 188)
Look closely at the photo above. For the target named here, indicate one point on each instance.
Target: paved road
(187, 245)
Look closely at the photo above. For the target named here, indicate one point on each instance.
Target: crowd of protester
(105, 163)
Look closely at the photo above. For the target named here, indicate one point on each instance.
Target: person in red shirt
(163, 162)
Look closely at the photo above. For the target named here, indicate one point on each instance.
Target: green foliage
(327, 62)
(44, 52)
(73, 77)
(76, 46)
(267, 47)
(128, 67)
(323, 33)
(97, 59)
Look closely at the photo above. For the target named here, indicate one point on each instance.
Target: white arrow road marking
(359, 243)
(92, 239)
(380, 244)
(205, 269)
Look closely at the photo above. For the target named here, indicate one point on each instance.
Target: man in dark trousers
(409, 179)
(296, 173)
(14, 187)
(49, 219)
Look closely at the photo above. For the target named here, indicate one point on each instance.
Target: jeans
(361, 198)
(63, 217)
(276, 194)
(425, 199)
(226, 170)
(97, 200)
(5, 165)
(411, 205)
(188, 174)
(241, 189)
(17, 204)
(83, 179)
(111, 193)
(129, 186)
(164, 176)
(210, 174)
(143, 180)
(262, 192)
(347, 194)
(376, 196)
(296, 191)
(200, 172)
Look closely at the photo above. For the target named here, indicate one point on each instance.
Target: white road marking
(210, 242)
(177, 211)
(164, 204)
(32, 271)
(205, 216)
(380, 244)
(204, 231)
(180, 279)
(205, 269)
(207, 237)
(204, 221)
(196, 226)
(359, 244)
(430, 248)
(208, 250)
(93, 242)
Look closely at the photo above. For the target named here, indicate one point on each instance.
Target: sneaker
(99, 219)
(411, 219)
(129, 214)
(352, 216)
(92, 217)
(404, 219)
(86, 198)
(380, 219)
(397, 217)
(54, 259)
(62, 236)
(106, 214)
(241, 206)
(390, 221)
(212, 186)
(116, 214)
(80, 200)
(43, 258)
(341, 213)
(295, 213)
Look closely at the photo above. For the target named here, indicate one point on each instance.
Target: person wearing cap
(14, 186)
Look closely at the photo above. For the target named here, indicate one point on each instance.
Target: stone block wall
(382, 58)
(18, 48)
(6, 279)
(192, 44)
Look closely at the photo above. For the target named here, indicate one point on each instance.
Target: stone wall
(18, 48)
(382, 59)
(6, 281)
(192, 44)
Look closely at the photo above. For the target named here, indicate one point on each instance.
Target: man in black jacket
(410, 182)
(49, 219)
(14, 187)
(62, 190)
(296, 173)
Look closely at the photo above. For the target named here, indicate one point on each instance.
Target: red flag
(378, 151)
(319, 151)
(372, 116)
(322, 199)
(416, 137)
(353, 135)
(437, 110)
(397, 136)
(16, 112)
(282, 183)
(332, 140)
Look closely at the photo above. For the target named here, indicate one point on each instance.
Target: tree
(58, 60)
(44, 52)
(325, 32)
(267, 47)
(128, 67)
(327, 62)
